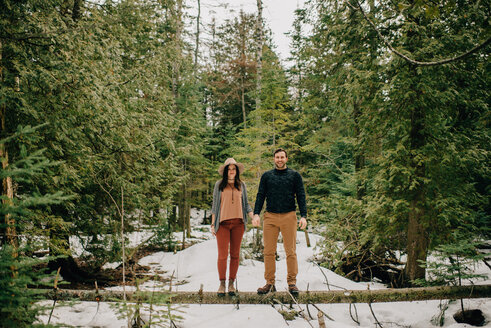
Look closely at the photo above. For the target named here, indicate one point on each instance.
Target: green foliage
(118, 91)
(252, 245)
(391, 140)
(18, 270)
(18, 302)
(158, 312)
(163, 236)
(453, 263)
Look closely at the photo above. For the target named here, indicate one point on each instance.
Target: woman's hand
(212, 229)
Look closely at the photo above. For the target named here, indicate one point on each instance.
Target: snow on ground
(196, 265)
(390, 315)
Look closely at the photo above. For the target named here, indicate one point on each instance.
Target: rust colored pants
(273, 224)
(229, 234)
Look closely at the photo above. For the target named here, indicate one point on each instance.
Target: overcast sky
(277, 14)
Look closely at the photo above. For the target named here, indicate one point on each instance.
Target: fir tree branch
(408, 59)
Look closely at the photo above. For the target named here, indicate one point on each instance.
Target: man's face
(280, 160)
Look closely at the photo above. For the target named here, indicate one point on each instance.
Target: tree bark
(188, 212)
(196, 49)
(76, 12)
(177, 40)
(359, 155)
(242, 68)
(259, 59)
(317, 297)
(8, 189)
(417, 234)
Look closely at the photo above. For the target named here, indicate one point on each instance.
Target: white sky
(278, 15)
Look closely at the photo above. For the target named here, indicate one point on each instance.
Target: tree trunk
(188, 213)
(417, 236)
(242, 69)
(8, 189)
(173, 215)
(181, 206)
(242, 101)
(307, 238)
(76, 12)
(259, 59)
(359, 156)
(177, 40)
(417, 242)
(196, 49)
(317, 297)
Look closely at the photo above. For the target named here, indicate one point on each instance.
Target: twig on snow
(373, 314)
(356, 313)
(319, 310)
(301, 311)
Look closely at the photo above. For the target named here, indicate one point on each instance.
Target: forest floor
(195, 266)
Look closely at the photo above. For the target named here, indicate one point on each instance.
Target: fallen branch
(324, 313)
(320, 318)
(281, 311)
(55, 293)
(301, 311)
(313, 297)
(356, 313)
(373, 314)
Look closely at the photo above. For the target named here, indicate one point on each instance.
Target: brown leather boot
(231, 288)
(293, 289)
(266, 289)
(221, 289)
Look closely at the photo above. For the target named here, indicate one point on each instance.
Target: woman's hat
(229, 161)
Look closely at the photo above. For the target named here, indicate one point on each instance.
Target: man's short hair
(280, 150)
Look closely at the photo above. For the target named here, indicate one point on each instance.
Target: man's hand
(256, 220)
(302, 224)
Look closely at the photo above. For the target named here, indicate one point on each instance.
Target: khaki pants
(273, 224)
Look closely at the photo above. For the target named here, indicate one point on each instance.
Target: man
(279, 187)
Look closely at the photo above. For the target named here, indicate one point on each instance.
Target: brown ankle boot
(231, 288)
(293, 289)
(266, 289)
(221, 289)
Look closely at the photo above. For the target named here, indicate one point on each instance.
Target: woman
(228, 219)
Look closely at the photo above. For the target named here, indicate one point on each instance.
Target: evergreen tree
(102, 76)
(390, 126)
(17, 267)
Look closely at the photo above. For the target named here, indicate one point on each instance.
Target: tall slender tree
(395, 113)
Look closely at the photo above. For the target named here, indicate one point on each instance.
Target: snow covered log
(316, 297)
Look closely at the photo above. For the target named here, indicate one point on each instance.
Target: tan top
(231, 203)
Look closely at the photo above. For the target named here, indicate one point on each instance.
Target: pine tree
(101, 75)
(17, 267)
(383, 122)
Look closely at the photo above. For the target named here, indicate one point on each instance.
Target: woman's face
(232, 172)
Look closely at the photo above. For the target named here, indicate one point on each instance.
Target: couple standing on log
(279, 187)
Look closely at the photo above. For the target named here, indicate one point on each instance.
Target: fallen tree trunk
(316, 297)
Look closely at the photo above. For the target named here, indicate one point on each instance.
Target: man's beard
(280, 167)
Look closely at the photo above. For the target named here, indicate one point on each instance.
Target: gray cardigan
(215, 208)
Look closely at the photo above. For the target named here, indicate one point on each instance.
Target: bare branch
(376, 320)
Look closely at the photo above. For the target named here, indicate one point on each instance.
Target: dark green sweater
(279, 188)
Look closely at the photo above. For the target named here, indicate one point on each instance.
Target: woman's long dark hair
(224, 181)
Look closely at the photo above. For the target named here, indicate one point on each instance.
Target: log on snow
(316, 297)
